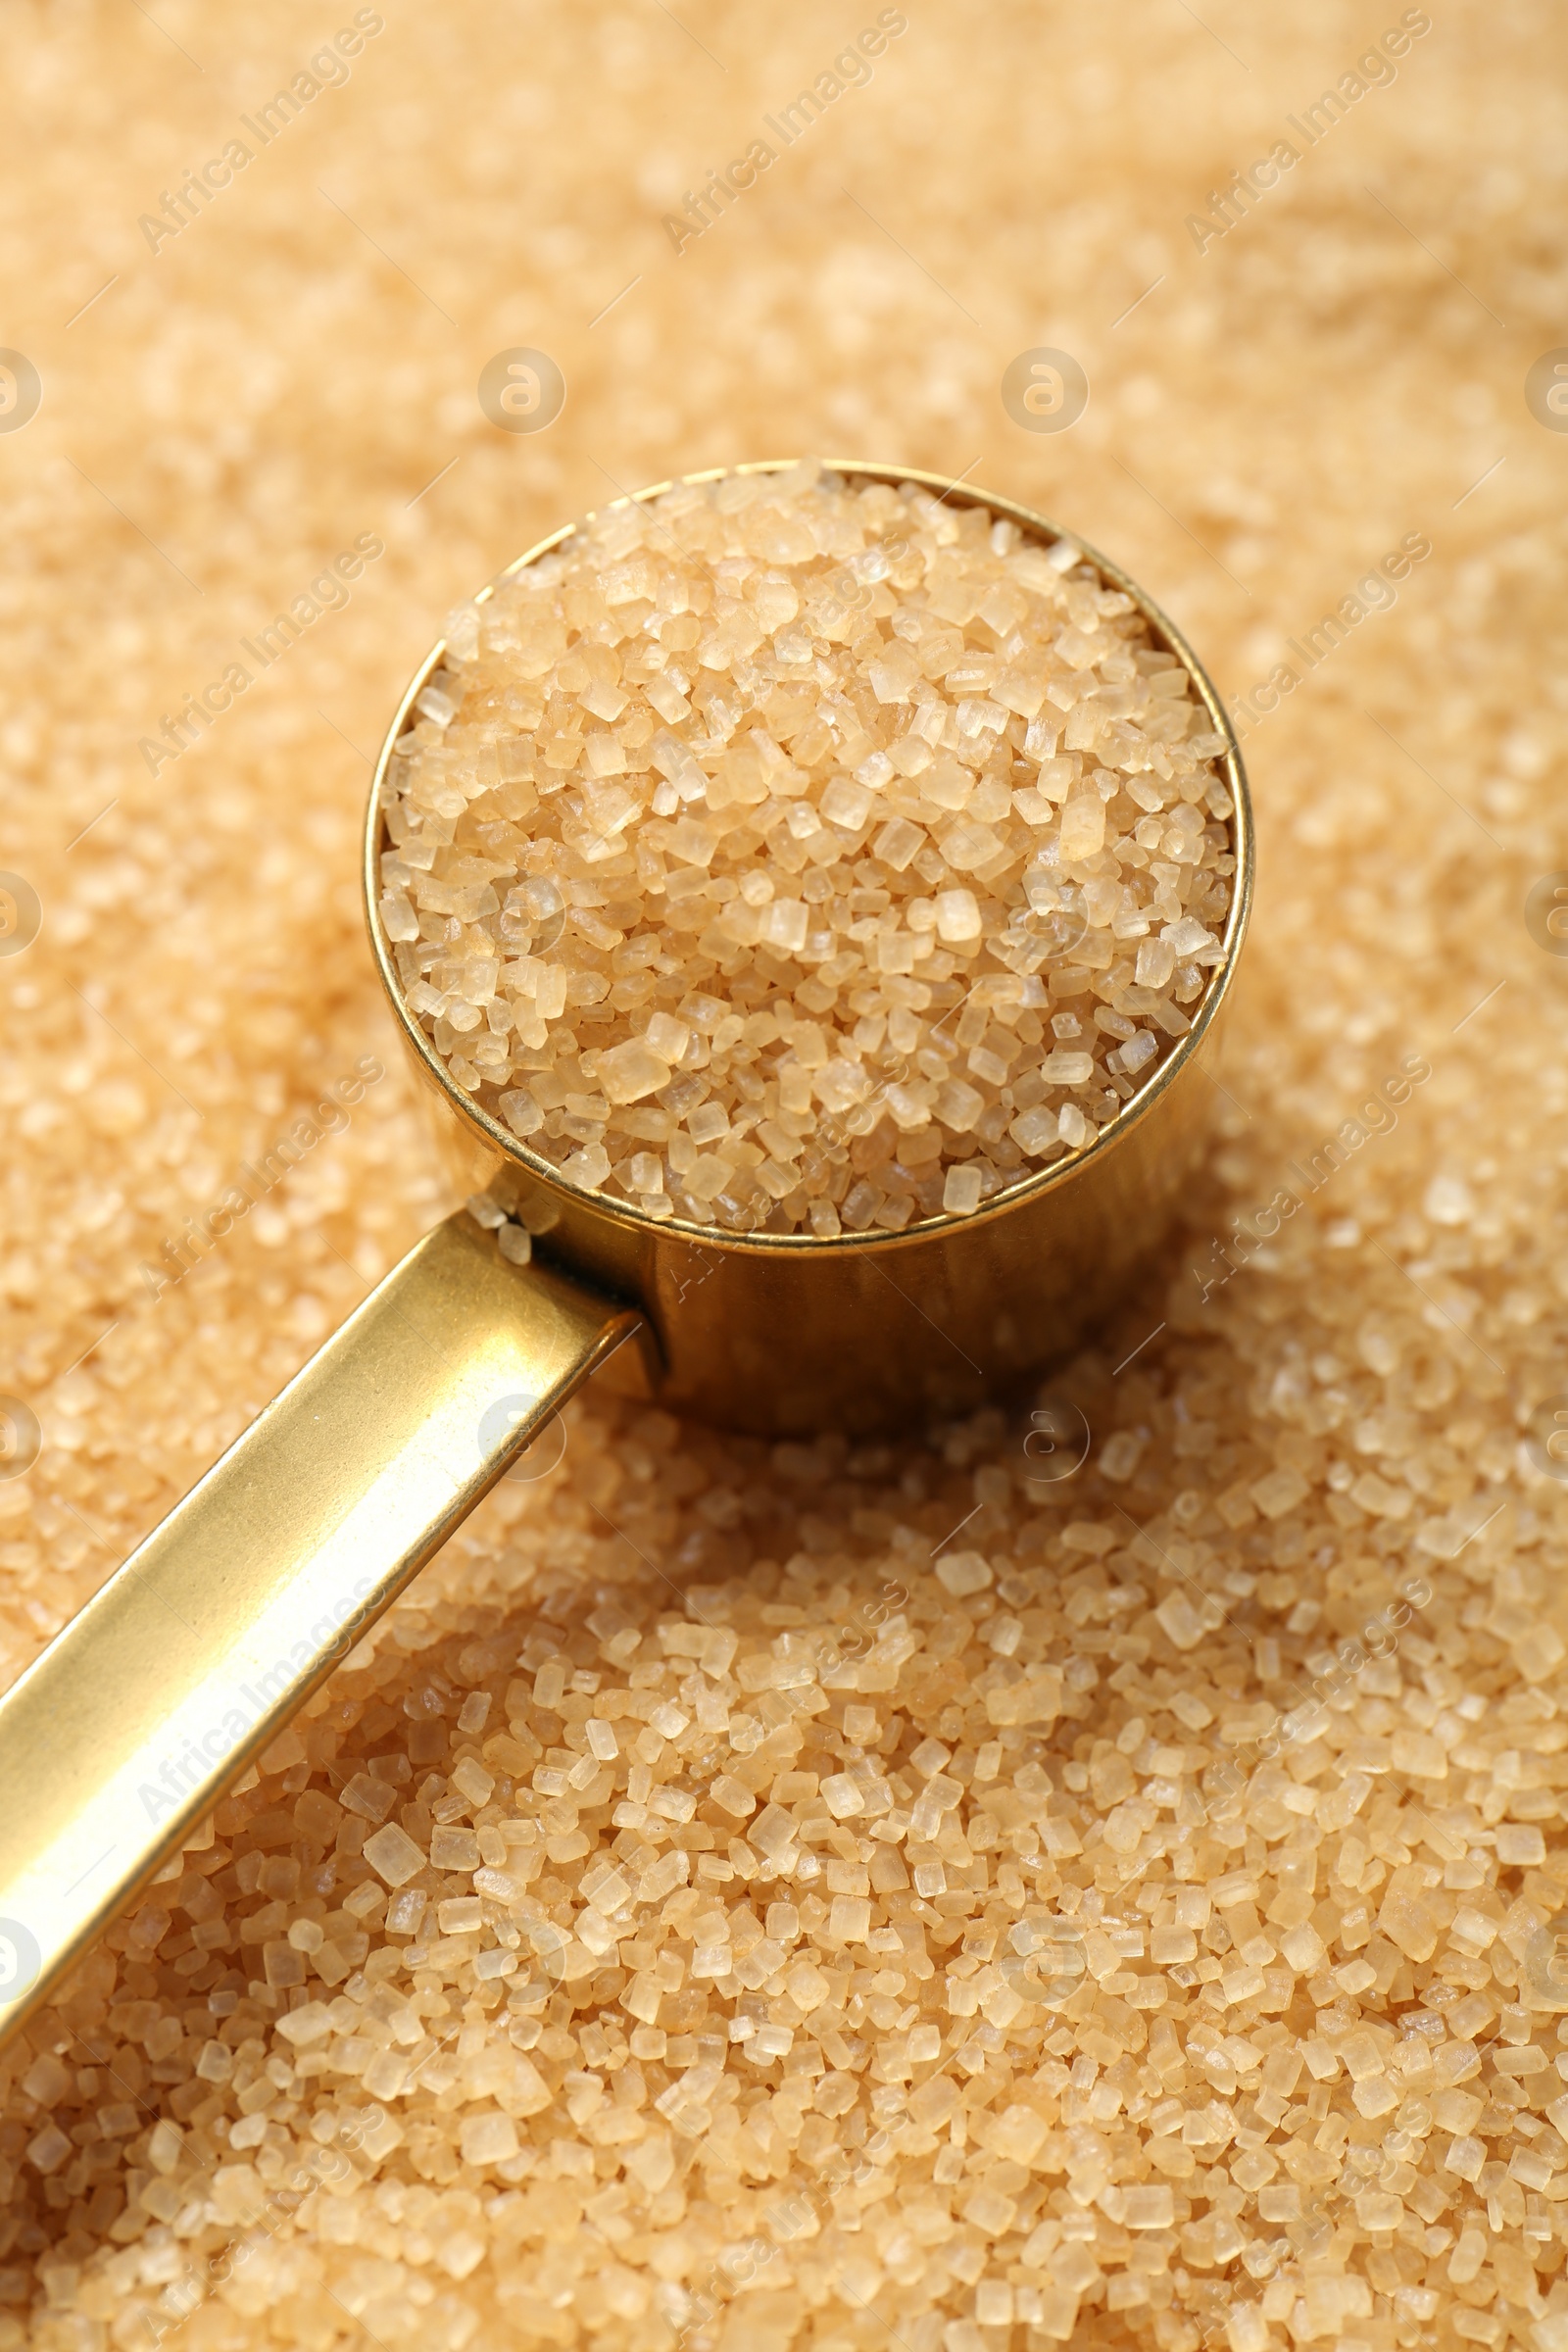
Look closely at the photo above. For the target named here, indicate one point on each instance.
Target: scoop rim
(1040, 1181)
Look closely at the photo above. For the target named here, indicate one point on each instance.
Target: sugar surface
(1327, 1423)
(1097, 1925)
(792, 854)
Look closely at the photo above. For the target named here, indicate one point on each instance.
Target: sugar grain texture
(882, 1900)
(791, 853)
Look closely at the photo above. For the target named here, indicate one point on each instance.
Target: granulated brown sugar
(955, 1935)
(1295, 1441)
(718, 783)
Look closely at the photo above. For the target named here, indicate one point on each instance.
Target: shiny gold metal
(781, 1333)
(178, 1673)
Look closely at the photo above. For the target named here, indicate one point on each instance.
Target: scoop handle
(128, 1728)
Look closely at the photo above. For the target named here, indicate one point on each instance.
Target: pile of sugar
(878, 1944)
(792, 855)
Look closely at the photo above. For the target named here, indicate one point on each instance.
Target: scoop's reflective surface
(781, 1334)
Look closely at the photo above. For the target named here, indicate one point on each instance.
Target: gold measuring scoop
(174, 1678)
